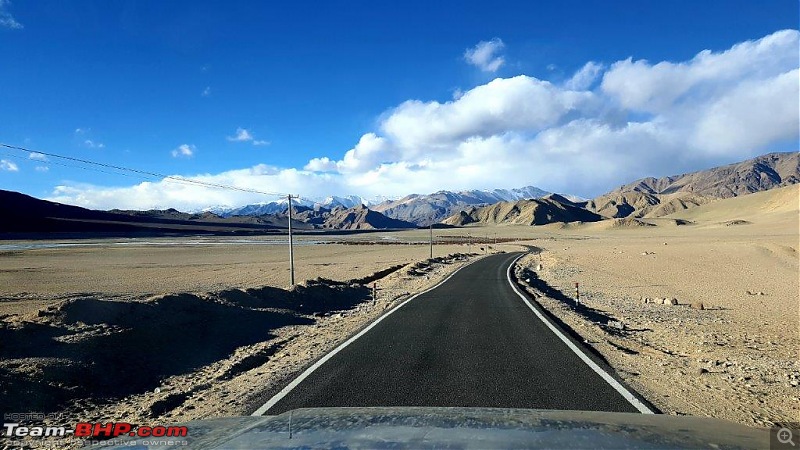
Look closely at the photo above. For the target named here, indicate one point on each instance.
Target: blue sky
(387, 98)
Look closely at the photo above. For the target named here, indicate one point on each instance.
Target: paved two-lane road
(471, 341)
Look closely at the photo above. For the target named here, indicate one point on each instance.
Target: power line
(121, 170)
(73, 166)
(145, 173)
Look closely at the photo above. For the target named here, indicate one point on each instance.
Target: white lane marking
(277, 397)
(603, 374)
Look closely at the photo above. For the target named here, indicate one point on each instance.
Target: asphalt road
(472, 341)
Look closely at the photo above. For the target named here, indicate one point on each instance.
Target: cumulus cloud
(36, 156)
(485, 55)
(605, 126)
(8, 166)
(243, 135)
(206, 92)
(169, 193)
(639, 85)
(42, 169)
(6, 19)
(184, 151)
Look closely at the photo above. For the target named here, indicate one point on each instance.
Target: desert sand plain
(739, 357)
(736, 358)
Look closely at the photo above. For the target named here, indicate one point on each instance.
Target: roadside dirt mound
(736, 222)
(89, 347)
(628, 222)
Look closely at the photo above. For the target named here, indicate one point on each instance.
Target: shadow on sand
(105, 350)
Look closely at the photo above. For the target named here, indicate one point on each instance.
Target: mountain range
(21, 214)
(647, 197)
(644, 198)
(525, 212)
(656, 197)
(422, 210)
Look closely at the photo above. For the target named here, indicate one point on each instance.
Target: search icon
(785, 436)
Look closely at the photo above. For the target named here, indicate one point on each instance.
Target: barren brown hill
(775, 206)
(361, 218)
(523, 212)
(657, 197)
(642, 204)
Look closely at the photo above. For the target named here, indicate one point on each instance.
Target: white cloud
(42, 168)
(206, 92)
(82, 134)
(184, 151)
(750, 114)
(170, 194)
(37, 156)
(639, 85)
(485, 55)
(8, 166)
(244, 135)
(584, 77)
(323, 164)
(582, 138)
(6, 19)
(504, 104)
(92, 144)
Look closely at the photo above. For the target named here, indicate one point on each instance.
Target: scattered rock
(616, 324)
(702, 371)
(698, 305)
(669, 301)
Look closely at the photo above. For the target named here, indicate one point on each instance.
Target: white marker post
(577, 294)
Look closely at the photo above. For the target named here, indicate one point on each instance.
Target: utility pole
(291, 243)
(431, 240)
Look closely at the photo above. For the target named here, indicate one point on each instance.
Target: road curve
(471, 341)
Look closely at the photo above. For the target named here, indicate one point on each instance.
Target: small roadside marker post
(577, 294)
(374, 291)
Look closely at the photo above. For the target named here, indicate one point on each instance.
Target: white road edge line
(279, 396)
(603, 374)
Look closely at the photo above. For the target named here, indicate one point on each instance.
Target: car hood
(459, 428)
